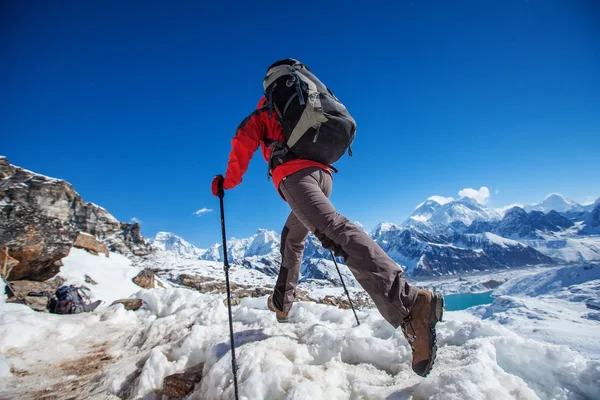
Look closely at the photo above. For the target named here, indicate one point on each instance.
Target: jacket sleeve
(243, 146)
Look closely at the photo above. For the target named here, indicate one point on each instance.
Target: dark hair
(285, 61)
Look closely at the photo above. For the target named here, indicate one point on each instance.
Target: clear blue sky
(135, 102)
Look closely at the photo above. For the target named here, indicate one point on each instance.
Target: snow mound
(112, 276)
(320, 354)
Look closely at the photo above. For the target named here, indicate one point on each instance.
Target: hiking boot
(282, 317)
(419, 330)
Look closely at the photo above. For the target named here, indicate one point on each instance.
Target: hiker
(302, 129)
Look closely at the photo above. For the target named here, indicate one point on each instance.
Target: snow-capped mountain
(592, 221)
(557, 203)
(262, 243)
(438, 239)
(168, 241)
(465, 210)
(423, 212)
(427, 252)
(517, 223)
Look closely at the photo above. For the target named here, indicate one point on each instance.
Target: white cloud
(134, 220)
(497, 191)
(441, 199)
(481, 196)
(202, 211)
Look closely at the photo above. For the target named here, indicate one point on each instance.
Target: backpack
(67, 300)
(316, 125)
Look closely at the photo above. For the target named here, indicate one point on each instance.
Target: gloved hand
(217, 186)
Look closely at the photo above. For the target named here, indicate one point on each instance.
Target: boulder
(130, 304)
(22, 288)
(145, 279)
(36, 241)
(91, 244)
(177, 386)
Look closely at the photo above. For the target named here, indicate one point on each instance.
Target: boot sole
(435, 316)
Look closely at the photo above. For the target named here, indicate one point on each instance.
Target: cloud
(497, 191)
(134, 220)
(481, 196)
(441, 199)
(202, 211)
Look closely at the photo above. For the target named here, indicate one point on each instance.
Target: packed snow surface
(320, 354)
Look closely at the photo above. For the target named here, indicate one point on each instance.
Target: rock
(89, 280)
(42, 217)
(179, 385)
(23, 287)
(145, 279)
(36, 241)
(491, 284)
(7, 263)
(91, 244)
(130, 304)
(129, 240)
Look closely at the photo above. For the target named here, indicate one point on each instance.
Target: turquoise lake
(461, 301)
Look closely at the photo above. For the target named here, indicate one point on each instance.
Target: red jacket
(252, 132)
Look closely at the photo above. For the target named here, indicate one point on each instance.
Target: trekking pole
(344, 285)
(226, 267)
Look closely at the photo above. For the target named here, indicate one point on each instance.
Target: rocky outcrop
(130, 304)
(177, 386)
(145, 279)
(41, 218)
(129, 241)
(37, 241)
(22, 289)
(91, 244)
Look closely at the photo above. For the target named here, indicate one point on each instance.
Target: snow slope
(320, 354)
(112, 353)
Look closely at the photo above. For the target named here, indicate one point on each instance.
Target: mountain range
(440, 239)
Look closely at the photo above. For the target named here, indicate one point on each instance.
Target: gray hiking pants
(307, 192)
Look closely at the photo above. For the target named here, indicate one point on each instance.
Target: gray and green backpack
(317, 126)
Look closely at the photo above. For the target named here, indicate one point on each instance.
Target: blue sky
(135, 103)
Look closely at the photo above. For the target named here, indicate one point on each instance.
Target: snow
(320, 354)
(556, 202)
(568, 249)
(168, 241)
(503, 242)
(533, 342)
(113, 275)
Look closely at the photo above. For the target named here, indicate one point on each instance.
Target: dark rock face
(23, 288)
(145, 279)
(37, 241)
(518, 223)
(91, 244)
(130, 304)
(177, 386)
(41, 217)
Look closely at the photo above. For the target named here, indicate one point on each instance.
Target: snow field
(320, 354)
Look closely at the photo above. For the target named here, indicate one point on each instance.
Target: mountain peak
(383, 227)
(168, 241)
(556, 202)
